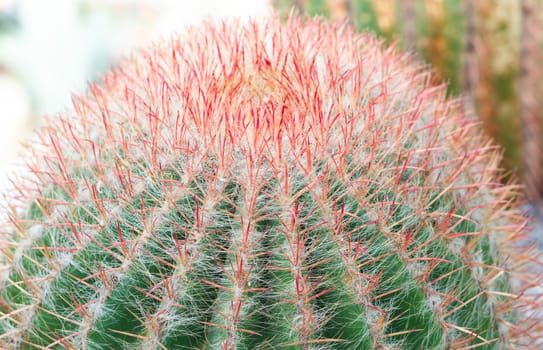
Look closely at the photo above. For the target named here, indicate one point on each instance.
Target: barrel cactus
(264, 185)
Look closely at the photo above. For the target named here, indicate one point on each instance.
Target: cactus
(265, 185)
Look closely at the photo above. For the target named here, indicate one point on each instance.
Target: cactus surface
(264, 185)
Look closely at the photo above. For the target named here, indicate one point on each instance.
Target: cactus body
(264, 185)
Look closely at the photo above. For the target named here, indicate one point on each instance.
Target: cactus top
(264, 185)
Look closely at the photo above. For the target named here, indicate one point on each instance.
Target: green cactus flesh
(263, 185)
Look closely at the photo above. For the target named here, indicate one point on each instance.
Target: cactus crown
(263, 185)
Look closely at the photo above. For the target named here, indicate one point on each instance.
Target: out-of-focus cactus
(264, 186)
(498, 56)
(531, 98)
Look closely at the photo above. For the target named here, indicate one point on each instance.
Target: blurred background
(490, 52)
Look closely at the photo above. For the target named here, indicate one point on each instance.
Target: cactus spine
(259, 186)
